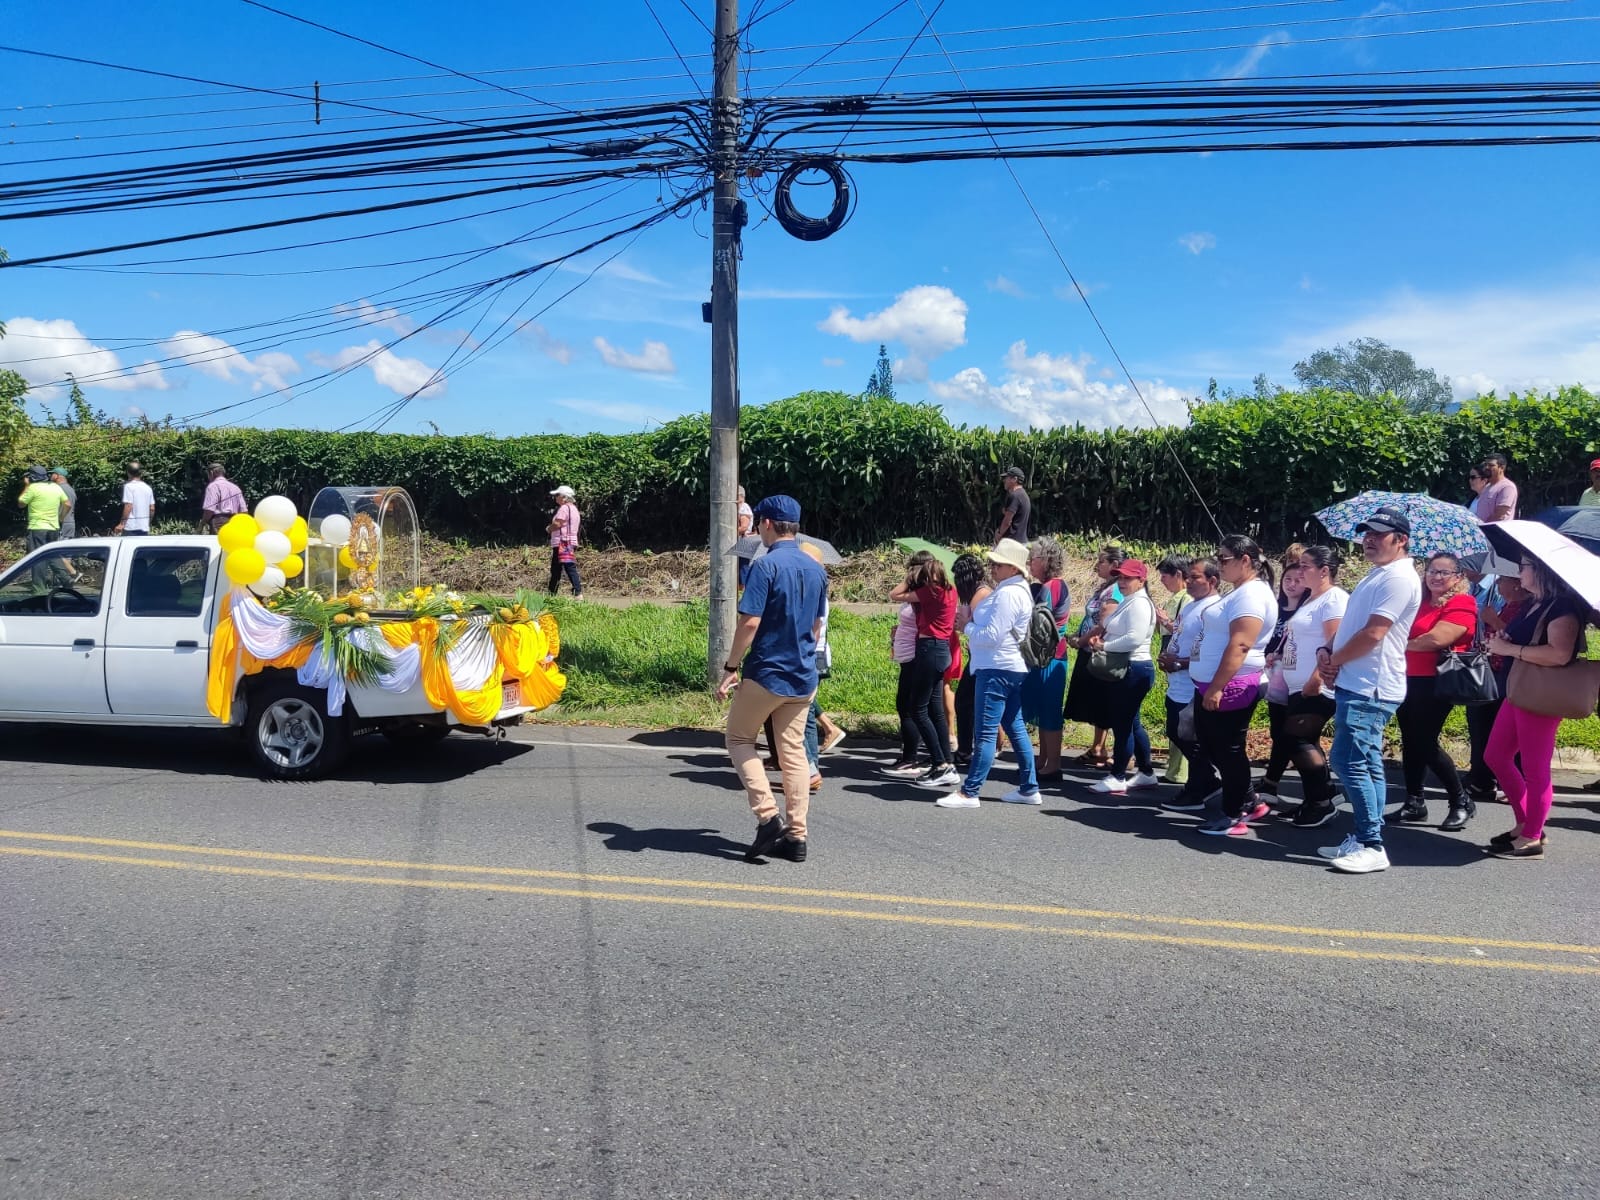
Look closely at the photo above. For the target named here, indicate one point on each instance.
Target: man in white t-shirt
(138, 504)
(1367, 665)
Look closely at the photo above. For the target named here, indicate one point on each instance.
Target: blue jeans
(999, 706)
(812, 714)
(1357, 758)
(1124, 697)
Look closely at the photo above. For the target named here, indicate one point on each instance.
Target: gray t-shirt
(1020, 508)
(69, 526)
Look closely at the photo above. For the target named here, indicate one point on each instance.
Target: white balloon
(276, 513)
(335, 530)
(271, 581)
(274, 547)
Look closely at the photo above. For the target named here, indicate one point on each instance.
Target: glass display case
(363, 539)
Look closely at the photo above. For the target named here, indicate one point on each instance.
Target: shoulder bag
(1570, 692)
(1111, 666)
(1465, 676)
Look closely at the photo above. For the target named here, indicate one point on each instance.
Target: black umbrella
(1580, 523)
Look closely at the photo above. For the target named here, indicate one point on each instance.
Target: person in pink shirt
(1498, 500)
(222, 499)
(563, 530)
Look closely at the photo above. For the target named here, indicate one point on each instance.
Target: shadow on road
(708, 842)
(223, 752)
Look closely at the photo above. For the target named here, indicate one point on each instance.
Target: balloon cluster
(263, 551)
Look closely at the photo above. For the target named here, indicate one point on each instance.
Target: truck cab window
(167, 581)
(62, 583)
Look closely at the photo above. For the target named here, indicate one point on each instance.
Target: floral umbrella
(1437, 526)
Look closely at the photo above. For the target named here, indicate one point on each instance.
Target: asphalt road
(541, 968)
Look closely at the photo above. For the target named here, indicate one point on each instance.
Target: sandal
(1091, 759)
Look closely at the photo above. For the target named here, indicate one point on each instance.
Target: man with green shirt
(47, 505)
(1591, 494)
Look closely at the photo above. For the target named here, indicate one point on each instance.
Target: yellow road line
(462, 885)
(1047, 910)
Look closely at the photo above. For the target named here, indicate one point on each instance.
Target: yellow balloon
(239, 532)
(298, 534)
(345, 559)
(245, 566)
(291, 566)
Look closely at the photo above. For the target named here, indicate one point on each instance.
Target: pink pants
(1529, 791)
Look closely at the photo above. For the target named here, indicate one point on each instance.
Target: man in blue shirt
(780, 618)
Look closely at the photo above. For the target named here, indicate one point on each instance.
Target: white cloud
(1198, 243)
(928, 320)
(1252, 59)
(384, 318)
(402, 376)
(1044, 390)
(46, 352)
(654, 359)
(552, 346)
(1084, 290)
(1006, 287)
(214, 357)
(833, 362)
(1495, 339)
(622, 269)
(622, 412)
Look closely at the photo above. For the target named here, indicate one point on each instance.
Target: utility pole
(728, 217)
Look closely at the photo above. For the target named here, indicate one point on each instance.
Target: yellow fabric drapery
(520, 654)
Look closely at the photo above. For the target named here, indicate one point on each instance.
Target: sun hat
(1011, 553)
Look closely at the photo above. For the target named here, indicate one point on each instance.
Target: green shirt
(43, 502)
(1590, 498)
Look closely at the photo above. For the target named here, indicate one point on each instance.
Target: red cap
(1132, 568)
(1595, 465)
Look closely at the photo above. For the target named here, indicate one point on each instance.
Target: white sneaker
(957, 799)
(1115, 785)
(1018, 796)
(1363, 861)
(1350, 845)
(938, 782)
(1144, 779)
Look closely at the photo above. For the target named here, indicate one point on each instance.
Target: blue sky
(1481, 262)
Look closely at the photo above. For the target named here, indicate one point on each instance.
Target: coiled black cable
(795, 222)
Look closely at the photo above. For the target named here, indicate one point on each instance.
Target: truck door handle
(83, 644)
(188, 645)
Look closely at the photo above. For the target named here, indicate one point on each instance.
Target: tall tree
(1370, 368)
(882, 381)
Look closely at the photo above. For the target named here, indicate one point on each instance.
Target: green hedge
(868, 469)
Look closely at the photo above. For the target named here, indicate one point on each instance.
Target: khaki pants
(752, 706)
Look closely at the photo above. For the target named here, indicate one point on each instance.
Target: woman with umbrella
(1522, 745)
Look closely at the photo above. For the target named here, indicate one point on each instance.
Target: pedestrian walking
(1366, 663)
(1173, 571)
(69, 518)
(138, 505)
(46, 505)
(995, 636)
(780, 622)
(1017, 509)
(971, 583)
(1203, 579)
(1120, 657)
(1310, 705)
(1044, 695)
(563, 531)
(929, 593)
(221, 501)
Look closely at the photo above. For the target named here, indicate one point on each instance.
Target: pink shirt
(905, 635)
(567, 520)
(1496, 495)
(223, 496)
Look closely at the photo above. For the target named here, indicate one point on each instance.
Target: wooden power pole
(728, 217)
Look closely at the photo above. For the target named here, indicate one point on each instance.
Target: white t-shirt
(1254, 599)
(1303, 637)
(137, 493)
(1185, 638)
(1393, 591)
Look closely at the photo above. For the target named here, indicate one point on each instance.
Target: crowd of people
(990, 658)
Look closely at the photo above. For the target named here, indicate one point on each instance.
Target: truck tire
(291, 733)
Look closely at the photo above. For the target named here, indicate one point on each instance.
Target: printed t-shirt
(1393, 591)
(1461, 610)
(1303, 637)
(142, 502)
(1186, 639)
(1254, 599)
(936, 612)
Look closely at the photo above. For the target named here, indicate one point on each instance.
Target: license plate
(511, 694)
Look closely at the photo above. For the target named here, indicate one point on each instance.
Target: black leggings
(1222, 740)
(921, 701)
(1278, 760)
(1421, 719)
(1304, 749)
(557, 566)
(966, 715)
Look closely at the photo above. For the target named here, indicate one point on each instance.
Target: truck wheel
(291, 733)
(416, 734)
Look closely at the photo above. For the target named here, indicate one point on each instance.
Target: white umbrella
(1567, 560)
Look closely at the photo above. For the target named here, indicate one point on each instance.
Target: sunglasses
(1227, 558)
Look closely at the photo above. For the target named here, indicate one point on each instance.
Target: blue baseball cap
(778, 508)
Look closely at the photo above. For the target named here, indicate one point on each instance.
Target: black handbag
(1110, 666)
(1465, 678)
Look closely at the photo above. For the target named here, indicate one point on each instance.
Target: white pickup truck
(118, 631)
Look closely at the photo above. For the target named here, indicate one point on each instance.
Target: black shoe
(1314, 816)
(1267, 787)
(794, 851)
(1413, 812)
(962, 761)
(768, 834)
(1460, 813)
